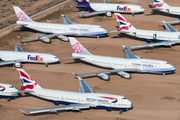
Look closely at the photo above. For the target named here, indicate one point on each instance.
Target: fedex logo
(125, 8)
(37, 58)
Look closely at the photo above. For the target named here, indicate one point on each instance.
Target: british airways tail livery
(106, 8)
(121, 66)
(61, 31)
(18, 56)
(75, 101)
(162, 6)
(166, 38)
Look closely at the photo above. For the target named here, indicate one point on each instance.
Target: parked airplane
(58, 30)
(18, 56)
(75, 101)
(120, 66)
(164, 7)
(106, 8)
(167, 38)
(8, 91)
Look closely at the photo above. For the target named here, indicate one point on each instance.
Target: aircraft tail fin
(158, 4)
(77, 47)
(27, 81)
(21, 15)
(67, 20)
(82, 1)
(124, 25)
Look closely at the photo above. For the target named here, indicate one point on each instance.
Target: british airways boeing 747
(75, 101)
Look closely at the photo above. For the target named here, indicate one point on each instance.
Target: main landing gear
(120, 112)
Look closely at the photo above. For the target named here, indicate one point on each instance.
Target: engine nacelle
(18, 65)
(124, 75)
(45, 39)
(109, 14)
(84, 1)
(64, 38)
(103, 76)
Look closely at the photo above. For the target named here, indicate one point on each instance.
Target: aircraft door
(134, 34)
(154, 36)
(167, 10)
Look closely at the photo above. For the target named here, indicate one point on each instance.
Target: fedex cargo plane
(106, 8)
(18, 56)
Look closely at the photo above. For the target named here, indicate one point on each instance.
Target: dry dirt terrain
(153, 96)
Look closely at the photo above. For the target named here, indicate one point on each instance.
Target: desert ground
(153, 96)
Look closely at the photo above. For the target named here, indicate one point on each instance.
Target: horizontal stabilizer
(115, 31)
(73, 58)
(18, 24)
(18, 49)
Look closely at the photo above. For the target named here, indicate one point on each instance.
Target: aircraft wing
(76, 107)
(73, 58)
(10, 62)
(171, 21)
(168, 27)
(55, 34)
(106, 1)
(165, 43)
(18, 49)
(67, 20)
(93, 13)
(84, 87)
(129, 54)
(109, 71)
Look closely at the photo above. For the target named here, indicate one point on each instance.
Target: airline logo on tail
(158, 3)
(37, 58)
(125, 8)
(21, 15)
(110, 98)
(77, 47)
(27, 81)
(2, 88)
(123, 23)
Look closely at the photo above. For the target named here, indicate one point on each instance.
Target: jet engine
(18, 65)
(64, 38)
(103, 76)
(45, 39)
(124, 75)
(109, 14)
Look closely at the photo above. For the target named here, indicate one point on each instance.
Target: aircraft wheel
(120, 112)
(8, 99)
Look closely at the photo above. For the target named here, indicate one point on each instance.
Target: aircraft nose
(55, 59)
(141, 9)
(173, 69)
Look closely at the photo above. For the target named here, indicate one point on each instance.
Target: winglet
(75, 74)
(22, 111)
(19, 37)
(124, 46)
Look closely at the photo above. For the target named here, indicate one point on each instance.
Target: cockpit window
(100, 27)
(141, 8)
(55, 57)
(11, 87)
(167, 63)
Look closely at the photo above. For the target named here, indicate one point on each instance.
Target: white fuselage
(77, 29)
(7, 90)
(154, 35)
(143, 65)
(122, 8)
(97, 99)
(171, 9)
(27, 57)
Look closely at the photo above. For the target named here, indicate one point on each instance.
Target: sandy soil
(154, 97)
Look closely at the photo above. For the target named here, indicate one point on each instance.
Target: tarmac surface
(153, 96)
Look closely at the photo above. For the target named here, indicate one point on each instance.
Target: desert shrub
(3, 5)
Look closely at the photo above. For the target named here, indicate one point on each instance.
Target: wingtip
(19, 37)
(124, 46)
(75, 74)
(22, 111)
(62, 15)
